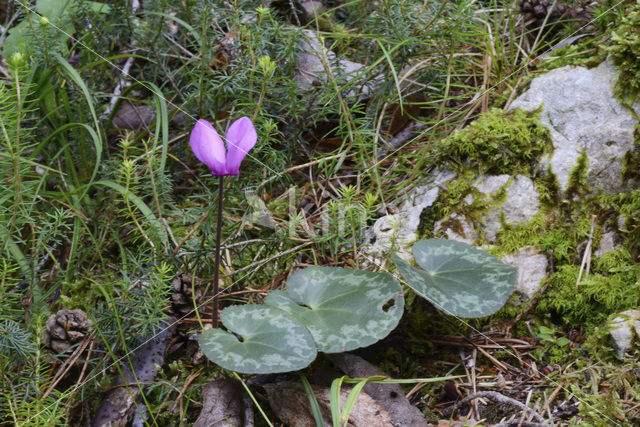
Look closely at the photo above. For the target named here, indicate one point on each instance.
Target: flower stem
(216, 271)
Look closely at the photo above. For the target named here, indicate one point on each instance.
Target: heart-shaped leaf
(271, 341)
(344, 309)
(459, 279)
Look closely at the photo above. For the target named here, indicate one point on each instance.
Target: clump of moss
(625, 53)
(585, 53)
(498, 142)
(631, 159)
(627, 204)
(453, 204)
(548, 188)
(611, 287)
(577, 184)
(547, 233)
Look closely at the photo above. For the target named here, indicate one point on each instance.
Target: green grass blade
(75, 77)
(353, 397)
(162, 121)
(335, 401)
(393, 72)
(137, 201)
(315, 407)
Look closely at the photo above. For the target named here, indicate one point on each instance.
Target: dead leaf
(119, 404)
(225, 404)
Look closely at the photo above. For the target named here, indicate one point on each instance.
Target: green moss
(449, 201)
(612, 286)
(627, 204)
(631, 159)
(577, 184)
(631, 165)
(586, 54)
(548, 188)
(546, 232)
(625, 53)
(498, 142)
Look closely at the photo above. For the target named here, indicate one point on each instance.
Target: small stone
(623, 328)
(400, 229)
(608, 243)
(532, 269)
(311, 10)
(314, 59)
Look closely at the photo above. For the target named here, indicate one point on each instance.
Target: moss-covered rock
(498, 142)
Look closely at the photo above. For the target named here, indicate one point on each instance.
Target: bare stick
(135, 5)
(494, 395)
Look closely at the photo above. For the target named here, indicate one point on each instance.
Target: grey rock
(623, 328)
(461, 232)
(400, 229)
(532, 269)
(315, 61)
(608, 243)
(581, 113)
(311, 9)
(519, 205)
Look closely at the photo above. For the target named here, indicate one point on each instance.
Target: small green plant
(325, 308)
(549, 335)
(335, 309)
(53, 25)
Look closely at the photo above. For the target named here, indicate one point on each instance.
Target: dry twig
(494, 395)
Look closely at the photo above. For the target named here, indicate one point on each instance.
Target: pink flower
(208, 147)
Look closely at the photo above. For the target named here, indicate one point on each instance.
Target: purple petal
(241, 137)
(208, 147)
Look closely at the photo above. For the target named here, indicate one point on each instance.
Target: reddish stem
(216, 272)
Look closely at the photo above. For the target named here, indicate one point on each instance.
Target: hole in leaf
(306, 306)
(387, 305)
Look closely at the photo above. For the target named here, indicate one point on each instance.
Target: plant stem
(216, 271)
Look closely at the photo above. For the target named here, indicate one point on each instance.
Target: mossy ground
(575, 310)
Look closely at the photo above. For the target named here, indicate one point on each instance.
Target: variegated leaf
(459, 279)
(344, 309)
(271, 341)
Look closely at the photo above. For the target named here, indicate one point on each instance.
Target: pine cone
(181, 298)
(66, 328)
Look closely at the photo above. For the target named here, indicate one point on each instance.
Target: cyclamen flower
(208, 147)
